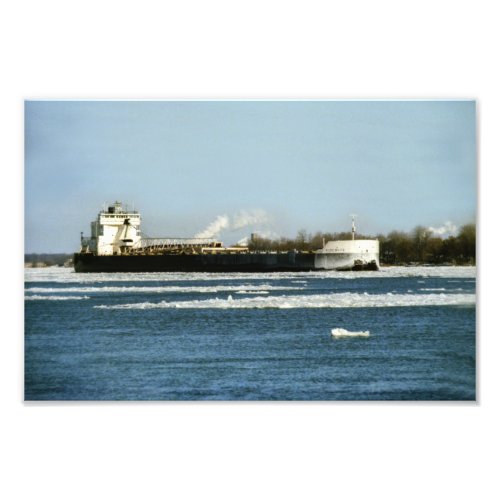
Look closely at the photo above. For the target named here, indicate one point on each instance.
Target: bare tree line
(397, 247)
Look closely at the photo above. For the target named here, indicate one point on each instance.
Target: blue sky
(282, 165)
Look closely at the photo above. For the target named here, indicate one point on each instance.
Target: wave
(55, 297)
(335, 300)
(441, 289)
(166, 289)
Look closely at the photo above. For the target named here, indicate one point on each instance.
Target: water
(194, 336)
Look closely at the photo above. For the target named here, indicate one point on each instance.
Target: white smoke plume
(244, 218)
(241, 219)
(243, 242)
(448, 228)
(214, 228)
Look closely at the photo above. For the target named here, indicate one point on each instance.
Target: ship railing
(177, 245)
(174, 242)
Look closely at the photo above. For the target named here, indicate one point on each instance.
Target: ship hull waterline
(221, 263)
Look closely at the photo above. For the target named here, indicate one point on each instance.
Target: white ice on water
(340, 332)
(331, 300)
(68, 275)
(246, 288)
(55, 297)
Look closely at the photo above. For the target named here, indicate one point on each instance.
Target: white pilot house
(114, 232)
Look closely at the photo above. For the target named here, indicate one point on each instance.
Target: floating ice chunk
(55, 297)
(340, 332)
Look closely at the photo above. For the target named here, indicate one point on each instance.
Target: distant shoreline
(48, 260)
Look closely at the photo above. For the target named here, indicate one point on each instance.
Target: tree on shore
(397, 247)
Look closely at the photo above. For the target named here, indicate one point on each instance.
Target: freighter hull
(223, 263)
(343, 255)
(347, 261)
(251, 262)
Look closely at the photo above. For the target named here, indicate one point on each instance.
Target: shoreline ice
(67, 275)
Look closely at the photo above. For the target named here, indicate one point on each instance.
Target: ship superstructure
(114, 232)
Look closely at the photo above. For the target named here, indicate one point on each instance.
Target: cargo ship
(117, 245)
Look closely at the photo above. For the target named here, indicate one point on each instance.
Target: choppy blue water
(190, 336)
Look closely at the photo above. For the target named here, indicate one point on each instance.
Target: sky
(236, 167)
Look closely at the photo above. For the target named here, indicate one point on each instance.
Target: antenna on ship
(353, 229)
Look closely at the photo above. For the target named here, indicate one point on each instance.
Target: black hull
(369, 266)
(217, 263)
